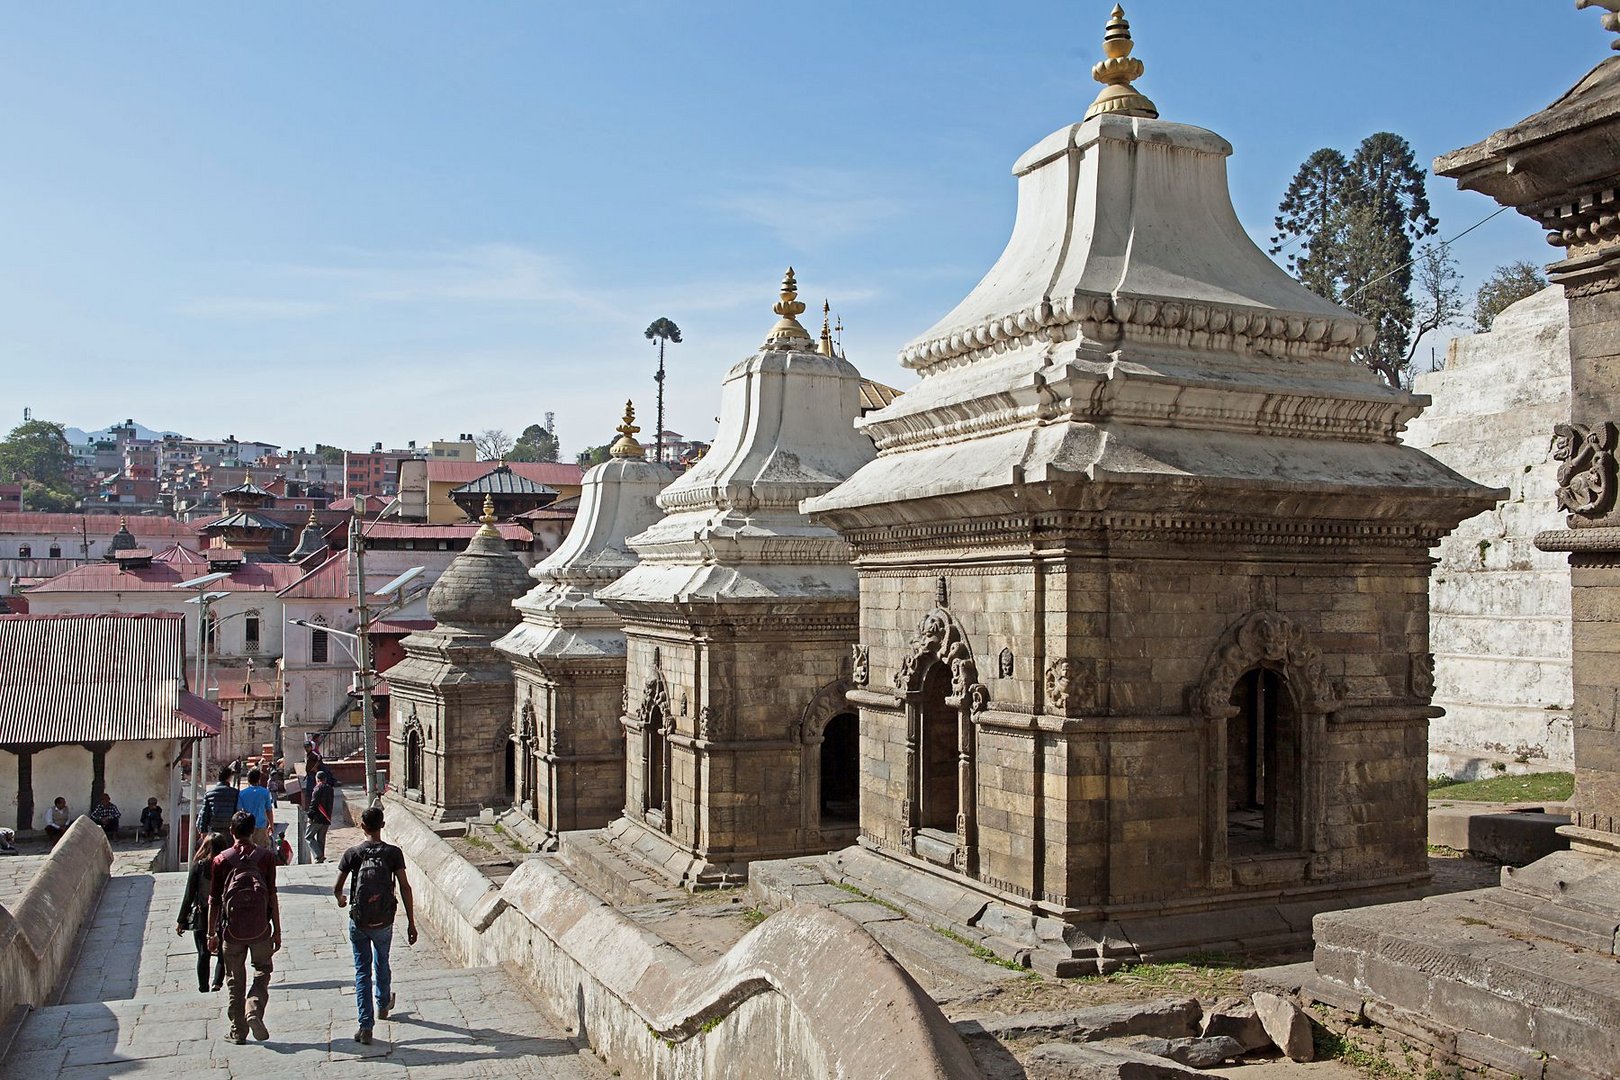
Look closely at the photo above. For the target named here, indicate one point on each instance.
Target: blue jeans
(367, 944)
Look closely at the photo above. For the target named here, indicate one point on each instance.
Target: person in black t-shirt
(373, 869)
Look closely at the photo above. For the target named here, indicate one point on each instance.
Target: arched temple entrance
(841, 771)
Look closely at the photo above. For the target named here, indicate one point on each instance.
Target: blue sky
(367, 222)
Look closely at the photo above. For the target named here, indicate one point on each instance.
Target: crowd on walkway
(231, 908)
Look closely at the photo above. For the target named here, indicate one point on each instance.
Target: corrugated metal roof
(97, 678)
(410, 530)
(246, 519)
(503, 481)
(96, 525)
(163, 574)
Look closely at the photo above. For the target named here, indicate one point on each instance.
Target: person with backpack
(375, 867)
(218, 804)
(194, 908)
(320, 816)
(244, 923)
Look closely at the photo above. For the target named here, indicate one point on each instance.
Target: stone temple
(567, 654)
(451, 729)
(1143, 659)
(738, 621)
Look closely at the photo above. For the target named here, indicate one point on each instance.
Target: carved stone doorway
(1262, 765)
(413, 762)
(841, 771)
(938, 787)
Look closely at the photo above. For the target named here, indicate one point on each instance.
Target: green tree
(593, 455)
(37, 496)
(1507, 285)
(661, 331)
(37, 450)
(1310, 212)
(537, 443)
(1358, 225)
(329, 455)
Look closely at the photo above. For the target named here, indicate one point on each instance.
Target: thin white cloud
(812, 202)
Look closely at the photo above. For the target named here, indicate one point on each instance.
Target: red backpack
(246, 897)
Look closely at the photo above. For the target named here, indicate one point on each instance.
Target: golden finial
(488, 527)
(312, 518)
(626, 446)
(787, 333)
(123, 522)
(826, 348)
(1117, 71)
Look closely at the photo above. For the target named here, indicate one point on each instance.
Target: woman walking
(194, 908)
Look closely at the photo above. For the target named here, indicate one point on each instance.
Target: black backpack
(245, 897)
(371, 895)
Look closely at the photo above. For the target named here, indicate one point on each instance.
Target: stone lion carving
(1265, 638)
(1586, 477)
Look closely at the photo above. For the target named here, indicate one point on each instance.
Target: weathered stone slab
(1287, 1025)
(1167, 1018)
(1074, 1061)
(1198, 1053)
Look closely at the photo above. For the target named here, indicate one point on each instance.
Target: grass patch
(979, 951)
(752, 917)
(868, 897)
(479, 842)
(1334, 1047)
(1203, 974)
(1532, 787)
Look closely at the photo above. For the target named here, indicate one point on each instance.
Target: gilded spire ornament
(625, 446)
(787, 333)
(1117, 71)
(826, 347)
(488, 527)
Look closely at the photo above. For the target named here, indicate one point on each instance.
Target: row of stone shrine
(1119, 617)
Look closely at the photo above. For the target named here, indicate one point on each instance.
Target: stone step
(1446, 972)
(1515, 835)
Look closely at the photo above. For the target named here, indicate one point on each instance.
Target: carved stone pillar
(1559, 169)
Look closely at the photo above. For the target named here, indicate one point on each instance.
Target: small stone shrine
(450, 747)
(567, 654)
(738, 622)
(1523, 979)
(1143, 663)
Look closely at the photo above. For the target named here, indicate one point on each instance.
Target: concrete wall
(1500, 609)
(135, 772)
(806, 994)
(38, 932)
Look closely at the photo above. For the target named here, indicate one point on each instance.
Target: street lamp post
(357, 542)
(199, 751)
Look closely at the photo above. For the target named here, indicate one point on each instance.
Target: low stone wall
(38, 932)
(807, 994)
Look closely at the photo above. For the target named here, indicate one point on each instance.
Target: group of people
(231, 908)
(106, 814)
(261, 799)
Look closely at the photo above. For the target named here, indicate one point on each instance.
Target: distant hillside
(77, 436)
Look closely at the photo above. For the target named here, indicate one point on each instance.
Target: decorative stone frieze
(1586, 475)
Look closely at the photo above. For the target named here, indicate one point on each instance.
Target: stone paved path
(131, 1006)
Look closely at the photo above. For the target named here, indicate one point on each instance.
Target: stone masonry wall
(579, 748)
(1500, 623)
(38, 931)
(1103, 797)
(739, 692)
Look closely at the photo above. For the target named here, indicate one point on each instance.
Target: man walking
(375, 867)
(218, 804)
(244, 923)
(320, 816)
(256, 800)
